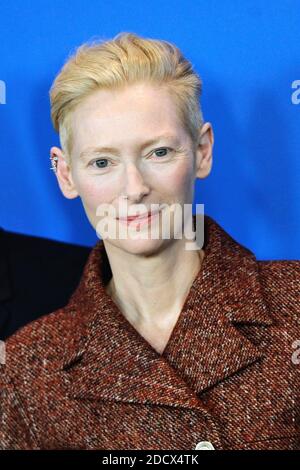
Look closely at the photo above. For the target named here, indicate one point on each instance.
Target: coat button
(204, 445)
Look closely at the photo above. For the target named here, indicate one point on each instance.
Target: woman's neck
(152, 292)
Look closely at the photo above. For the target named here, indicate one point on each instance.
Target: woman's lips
(138, 219)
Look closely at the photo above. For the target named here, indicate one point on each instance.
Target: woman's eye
(100, 163)
(163, 149)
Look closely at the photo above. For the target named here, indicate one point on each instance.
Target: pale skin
(151, 277)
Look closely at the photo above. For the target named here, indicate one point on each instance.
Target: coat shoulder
(39, 342)
(280, 281)
(280, 274)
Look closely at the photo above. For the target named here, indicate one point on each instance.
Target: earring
(53, 163)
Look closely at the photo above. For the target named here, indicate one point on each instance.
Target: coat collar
(107, 359)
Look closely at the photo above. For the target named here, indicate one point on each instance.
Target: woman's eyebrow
(98, 149)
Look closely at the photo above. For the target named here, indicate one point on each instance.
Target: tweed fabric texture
(82, 377)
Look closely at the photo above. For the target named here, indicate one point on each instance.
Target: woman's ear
(63, 173)
(204, 151)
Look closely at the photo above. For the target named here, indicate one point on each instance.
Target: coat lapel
(106, 358)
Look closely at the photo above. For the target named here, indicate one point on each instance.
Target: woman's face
(112, 156)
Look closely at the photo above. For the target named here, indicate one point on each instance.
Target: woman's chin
(139, 246)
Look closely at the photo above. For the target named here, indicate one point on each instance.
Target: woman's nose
(135, 186)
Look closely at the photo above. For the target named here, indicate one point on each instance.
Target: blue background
(247, 53)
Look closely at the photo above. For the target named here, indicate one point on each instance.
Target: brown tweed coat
(83, 378)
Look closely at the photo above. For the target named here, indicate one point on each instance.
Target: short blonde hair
(124, 60)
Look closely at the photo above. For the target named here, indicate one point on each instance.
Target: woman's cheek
(178, 180)
(93, 194)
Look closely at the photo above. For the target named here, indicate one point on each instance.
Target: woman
(161, 346)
